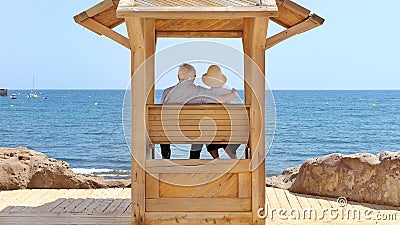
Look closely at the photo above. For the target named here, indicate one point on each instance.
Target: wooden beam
(126, 3)
(80, 17)
(100, 7)
(190, 12)
(292, 6)
(200, 34)
(99, 28)
(268, 2)
(135, 33)
(150, 40)
(139, 136)
(199, 25)
(304, 26)
(199, 166)
(255, 31)
(198, 204)
(150, 49)
(173, 218)
(246, 42)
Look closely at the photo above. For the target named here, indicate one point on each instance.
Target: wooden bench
(201, 124)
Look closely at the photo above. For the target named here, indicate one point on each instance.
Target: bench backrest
(189, 124)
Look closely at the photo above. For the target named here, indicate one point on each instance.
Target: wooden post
(149, 33)
(254, 34)
(246, 42)
(138, 147)
(150, 43)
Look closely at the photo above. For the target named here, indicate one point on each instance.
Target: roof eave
(187, 12)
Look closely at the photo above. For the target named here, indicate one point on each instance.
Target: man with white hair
(186, 92)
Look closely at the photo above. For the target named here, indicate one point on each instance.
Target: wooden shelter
(197, 191)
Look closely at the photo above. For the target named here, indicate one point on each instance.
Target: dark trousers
(194, 154)
(165, 151)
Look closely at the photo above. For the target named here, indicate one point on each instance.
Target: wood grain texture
(255, 32)
(210, 186)
(212, 123)
(198, 166)
(299, 28)
(196, 12)
(100, 7)
(99, 28)
(121, 215)
(152, 185)
(244, 185)
(198, 25)
(198, 205)
(138, 136)
(200, 218)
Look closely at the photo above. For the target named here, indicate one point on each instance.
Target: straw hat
(214, 77)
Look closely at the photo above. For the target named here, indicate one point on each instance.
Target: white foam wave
(90, 170)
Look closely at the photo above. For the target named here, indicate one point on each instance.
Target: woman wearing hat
(215, 79)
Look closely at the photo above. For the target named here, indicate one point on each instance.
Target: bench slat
(189, 124)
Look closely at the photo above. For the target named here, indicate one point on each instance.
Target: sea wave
(106, 173)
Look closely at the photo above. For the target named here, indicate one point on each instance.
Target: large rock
(285, 180)
(23, 168)
(359, 177)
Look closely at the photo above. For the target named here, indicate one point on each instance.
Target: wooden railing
(202, 124)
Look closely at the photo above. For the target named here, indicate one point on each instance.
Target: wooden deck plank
(332, 202)
(81, 207)
(9, 197)
(73, 205)
(46, 198)
(272, 199)
(303, 201)
(294, 203)
(117, 209)
(123, 206)
(113, 206)
(314, 203)
(34, 197)
(64, 204)
(48, 207)
(128, 210)
(40, 219)
(96, 201)
(53, 201)
(70, 196)
(104, 204)
(324, 203)
(282, 199)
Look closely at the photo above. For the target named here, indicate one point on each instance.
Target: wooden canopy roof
(108, 14)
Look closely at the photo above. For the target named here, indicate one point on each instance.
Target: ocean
(84, 127)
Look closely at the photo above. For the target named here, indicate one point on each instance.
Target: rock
(285, 180)
(23, 168)
(361, 177)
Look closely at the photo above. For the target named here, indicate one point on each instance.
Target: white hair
(186, 72)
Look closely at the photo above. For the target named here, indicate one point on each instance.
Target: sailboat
(33, 92)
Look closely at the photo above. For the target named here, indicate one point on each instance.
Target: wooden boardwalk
(113, 206)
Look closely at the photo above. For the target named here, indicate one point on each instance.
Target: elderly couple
(186, 92)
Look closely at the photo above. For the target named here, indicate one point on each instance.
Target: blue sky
(356, 48)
